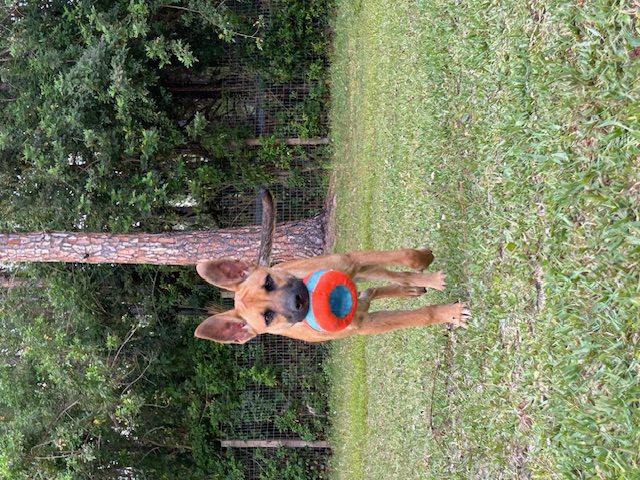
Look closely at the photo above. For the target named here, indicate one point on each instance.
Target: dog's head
(267, 300)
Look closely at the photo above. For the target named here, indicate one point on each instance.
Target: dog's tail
(268, 223)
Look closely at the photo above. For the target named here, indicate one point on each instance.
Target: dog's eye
(269, 315)
(269, 284)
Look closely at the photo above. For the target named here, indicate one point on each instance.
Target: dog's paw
(414, 291)
(427, 280)
(437, 281)
(366, 295)
(420, 258)
(461, 315)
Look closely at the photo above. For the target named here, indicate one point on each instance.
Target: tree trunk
(298, 239)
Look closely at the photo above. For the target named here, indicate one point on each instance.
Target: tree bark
(298, 239)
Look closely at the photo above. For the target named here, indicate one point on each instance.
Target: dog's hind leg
(414, 258)
(434, 280)
(355, 262)
(389, 291)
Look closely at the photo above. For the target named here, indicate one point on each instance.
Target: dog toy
(333, 300)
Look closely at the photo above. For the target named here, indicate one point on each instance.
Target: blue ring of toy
(330, 310)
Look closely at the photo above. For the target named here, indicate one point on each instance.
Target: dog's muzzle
(297, 301)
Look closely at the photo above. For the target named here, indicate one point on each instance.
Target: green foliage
(283, 464)
(295, 40)
(113, 389)
(98, 371)
(85, 110)
(160, 49)
(86, 119)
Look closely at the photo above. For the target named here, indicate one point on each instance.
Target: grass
(505, 135)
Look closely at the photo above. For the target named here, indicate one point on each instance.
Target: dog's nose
(298, 303)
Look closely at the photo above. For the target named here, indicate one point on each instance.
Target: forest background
(148, 116)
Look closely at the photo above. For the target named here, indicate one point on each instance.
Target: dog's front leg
(383, 322)
(389, 291)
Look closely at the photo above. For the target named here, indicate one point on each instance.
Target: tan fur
(252, 299)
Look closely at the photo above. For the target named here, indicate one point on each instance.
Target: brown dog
(274, 300)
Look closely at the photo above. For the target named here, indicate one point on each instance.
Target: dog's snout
(298, 301)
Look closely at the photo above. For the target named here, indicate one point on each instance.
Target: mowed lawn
(504, 135)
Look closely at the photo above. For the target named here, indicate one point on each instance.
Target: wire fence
(281, 421)
(299, 190)
(255, 92)
(280, 428)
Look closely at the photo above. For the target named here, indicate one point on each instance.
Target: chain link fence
(280, 427)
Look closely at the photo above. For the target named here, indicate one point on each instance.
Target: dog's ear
(225, 327)
(225, 273)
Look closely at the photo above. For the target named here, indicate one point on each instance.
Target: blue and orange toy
(333, 300)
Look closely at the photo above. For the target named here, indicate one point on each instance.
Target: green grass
(505, 135)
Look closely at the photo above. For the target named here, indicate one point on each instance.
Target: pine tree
(297, 239)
